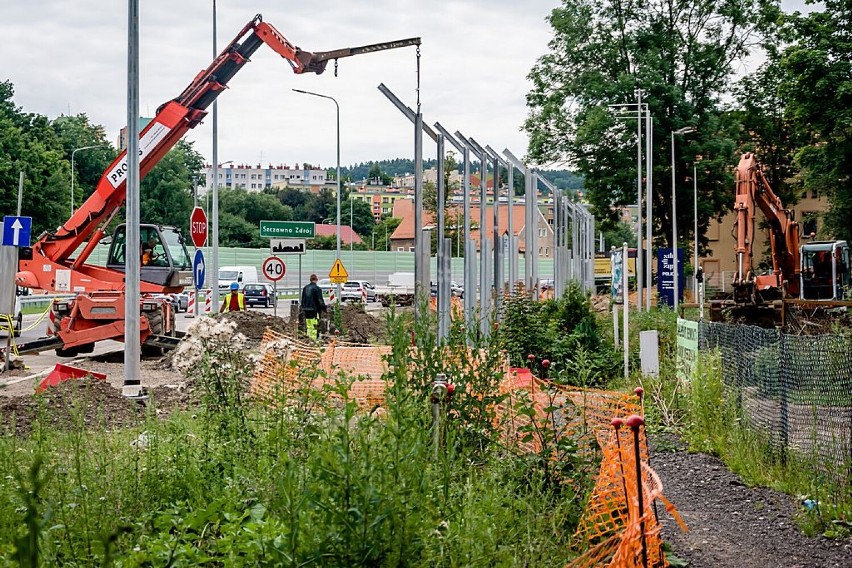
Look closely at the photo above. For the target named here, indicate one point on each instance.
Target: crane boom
(171, 123)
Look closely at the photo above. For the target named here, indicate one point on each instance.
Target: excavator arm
(754, 192)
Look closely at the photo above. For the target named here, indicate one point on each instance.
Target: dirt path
(734, 526)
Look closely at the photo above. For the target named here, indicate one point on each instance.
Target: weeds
(302, 478)
(717, 424)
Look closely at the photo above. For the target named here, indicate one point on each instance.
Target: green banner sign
(286, 229)
(687, 348)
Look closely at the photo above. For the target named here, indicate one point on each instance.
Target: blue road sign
(198, 269)
(16, 231)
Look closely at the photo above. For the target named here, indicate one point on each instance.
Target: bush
(559, 331)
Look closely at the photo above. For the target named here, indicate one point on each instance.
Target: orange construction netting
(614, 530)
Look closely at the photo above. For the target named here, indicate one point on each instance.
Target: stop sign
(198, 227)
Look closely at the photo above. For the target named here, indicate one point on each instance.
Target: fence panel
(796, 390)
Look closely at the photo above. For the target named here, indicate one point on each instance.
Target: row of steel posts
(572, 241)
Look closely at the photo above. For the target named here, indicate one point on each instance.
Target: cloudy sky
(70, 57)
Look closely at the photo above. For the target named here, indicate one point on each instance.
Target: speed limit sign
(273, 268)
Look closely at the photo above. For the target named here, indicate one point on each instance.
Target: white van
(242, 275)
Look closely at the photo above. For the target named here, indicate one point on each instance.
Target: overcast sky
(70, 57)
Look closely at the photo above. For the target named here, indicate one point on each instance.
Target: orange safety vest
(241, 301)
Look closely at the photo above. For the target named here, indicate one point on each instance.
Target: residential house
(402, 239)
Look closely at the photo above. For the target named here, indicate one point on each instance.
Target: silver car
(357, 290)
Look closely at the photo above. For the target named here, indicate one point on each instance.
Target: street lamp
(684, 130)
(337, 107)
(72, 169)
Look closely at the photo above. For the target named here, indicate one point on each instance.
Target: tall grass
(304, 479)
(716, 424)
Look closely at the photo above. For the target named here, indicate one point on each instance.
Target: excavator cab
(825, 271)
(164, 260)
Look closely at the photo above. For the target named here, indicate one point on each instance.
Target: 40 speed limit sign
(274, 268)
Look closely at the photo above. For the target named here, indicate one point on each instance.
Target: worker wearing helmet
(235, 301)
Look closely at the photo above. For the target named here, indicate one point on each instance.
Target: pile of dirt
(90, 402)
(360, 326)
(253, 324)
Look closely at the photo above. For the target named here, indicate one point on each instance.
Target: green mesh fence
(796, 389)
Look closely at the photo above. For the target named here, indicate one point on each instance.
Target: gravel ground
(732, 525)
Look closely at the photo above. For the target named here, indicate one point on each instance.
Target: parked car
(356, 290)
(259, 295)
(457, 289)
(183, 301)
(171, 298)
(325, 285)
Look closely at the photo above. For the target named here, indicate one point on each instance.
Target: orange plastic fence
(614, 531)
(290, 363)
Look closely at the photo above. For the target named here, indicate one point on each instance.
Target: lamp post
(684, 130)
(337, 107)
(73, 153)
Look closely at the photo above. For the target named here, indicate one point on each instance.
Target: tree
(321, 242)
(383, 231)
(621, 233)
(165, 194)
(76, 132)
(680, 53)
(29, 144)
(376, 175)
(361, 215)
(817, 88)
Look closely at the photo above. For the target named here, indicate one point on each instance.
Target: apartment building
(257, 177)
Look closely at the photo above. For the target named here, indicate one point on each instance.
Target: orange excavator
(96, 312)
(795, 278)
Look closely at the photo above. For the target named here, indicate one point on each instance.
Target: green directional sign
(285, 229)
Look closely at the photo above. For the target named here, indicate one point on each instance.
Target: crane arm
(325, 56)
(172, 121)
(754, 191)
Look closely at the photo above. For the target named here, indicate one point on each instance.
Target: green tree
(383, 231)
(29, 144)
(680, 53)
(361, 216)
(817, 88)
(321, 242)
(620, 233)
(165, 194)
(76, 132)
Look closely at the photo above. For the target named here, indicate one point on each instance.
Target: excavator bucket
(62, 373)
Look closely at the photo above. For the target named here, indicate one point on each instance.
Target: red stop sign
(198, 227)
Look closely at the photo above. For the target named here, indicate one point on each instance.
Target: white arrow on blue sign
(16, 231)
(198, 269)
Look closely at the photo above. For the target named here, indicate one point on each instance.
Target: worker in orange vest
(235, 301)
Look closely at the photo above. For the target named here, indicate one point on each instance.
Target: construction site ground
(730, 525)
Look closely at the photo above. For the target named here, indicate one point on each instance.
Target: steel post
(132, 386)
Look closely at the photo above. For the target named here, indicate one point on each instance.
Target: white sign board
(287, 246)
(63, 280)
(118, 173)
